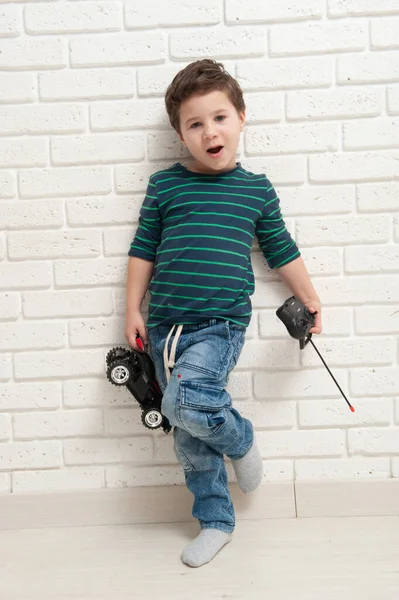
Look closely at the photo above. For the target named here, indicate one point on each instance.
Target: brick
(60, 364)
(123, 49)
(135, 114)
(341, 8)
(7, 185)
(380, 134)
(123, 421)
(48, 118)
(5, 428)
(368, 259)
(5, 367)
(10, 306)
(97, 332)
(350, 290)
(107, 450)
(30, 455)
(373, 441)
(60, 424)
(74, 273)
(322, 261)
(379, 197)
(29, 396)
(239, 386)
(32, 54)
(23, 153)
(317, 200)
(98, 149)
(10, 25)
(26, 215)
(343, 230)
(54, 244)
(17, 87)
(354, 166)
(153, 81)
(348, 352)
(218, 43)
(101, 211)
(77, 181)
(178, 13)
(128, 180)
(164, 145)
(269, 294)
(87, 84)
(264, 107)
(5, 483)
(313, 38)
(335, 413)
(75, 17)
(239, 11)
(30, 336)
(393, 101)
(62, 480)
(25, 276)
(337, 103)
(126, 477)
(285, 73)
(304, 383)
(289, 444)
(342, 469)
(373, 382)
(368, 68)
(291, 139)
(282, 170)
(378, 320)
(95, 392)
(269, 355)
(384, 33)
(272, 414)
(164, 452)
(117, 241)
(396, 229)
(76, 303)
(2, 249)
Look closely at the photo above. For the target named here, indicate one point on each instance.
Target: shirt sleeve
(274, 240)
(148, 234)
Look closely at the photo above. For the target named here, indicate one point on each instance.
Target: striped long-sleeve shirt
(198, 229)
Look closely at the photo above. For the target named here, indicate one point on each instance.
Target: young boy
(192, 248)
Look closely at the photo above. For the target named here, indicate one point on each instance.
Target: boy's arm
(139, 273)
(296, 276)
(141, 264)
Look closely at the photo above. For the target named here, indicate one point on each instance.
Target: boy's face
(211, 121)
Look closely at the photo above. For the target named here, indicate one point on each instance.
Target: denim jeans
(205, 426)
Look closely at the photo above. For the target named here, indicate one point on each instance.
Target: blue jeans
(205, 426)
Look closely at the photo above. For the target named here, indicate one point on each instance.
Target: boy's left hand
(315, 306)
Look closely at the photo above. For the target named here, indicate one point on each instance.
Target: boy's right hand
(135, 326)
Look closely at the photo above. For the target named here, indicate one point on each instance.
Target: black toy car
(136, 371)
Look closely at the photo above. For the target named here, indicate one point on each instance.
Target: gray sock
(204, 547)
(249, 469)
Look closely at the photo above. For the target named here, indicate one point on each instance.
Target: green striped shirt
(198, 230)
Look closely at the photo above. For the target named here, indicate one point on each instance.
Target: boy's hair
(200, 77)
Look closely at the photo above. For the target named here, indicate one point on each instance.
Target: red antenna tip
(352, 408)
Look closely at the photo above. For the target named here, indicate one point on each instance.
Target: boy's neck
(198, 168)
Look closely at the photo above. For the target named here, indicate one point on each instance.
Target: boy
(193, 243)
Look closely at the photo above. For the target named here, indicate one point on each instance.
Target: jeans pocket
(202, 407)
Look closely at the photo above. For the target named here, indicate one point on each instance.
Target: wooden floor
(293, 559)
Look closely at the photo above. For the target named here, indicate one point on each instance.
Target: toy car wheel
(118, 373)
(117, 353)
(152, 419)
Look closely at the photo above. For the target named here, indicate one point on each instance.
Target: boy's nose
(209, 132)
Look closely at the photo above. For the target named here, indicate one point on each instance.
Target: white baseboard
(173, 504)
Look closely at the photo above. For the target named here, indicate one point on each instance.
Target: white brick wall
(83, 126)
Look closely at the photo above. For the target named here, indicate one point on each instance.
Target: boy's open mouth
(215, 150)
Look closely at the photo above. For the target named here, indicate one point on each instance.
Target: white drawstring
(169, 361)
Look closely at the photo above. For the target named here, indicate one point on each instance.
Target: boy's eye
(194, 125)
(220, 118)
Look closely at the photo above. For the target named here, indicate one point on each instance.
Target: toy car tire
(117, 353)
(152, 418)
(118, 373)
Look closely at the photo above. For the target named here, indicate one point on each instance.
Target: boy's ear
(181, 138)
(242, 116)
